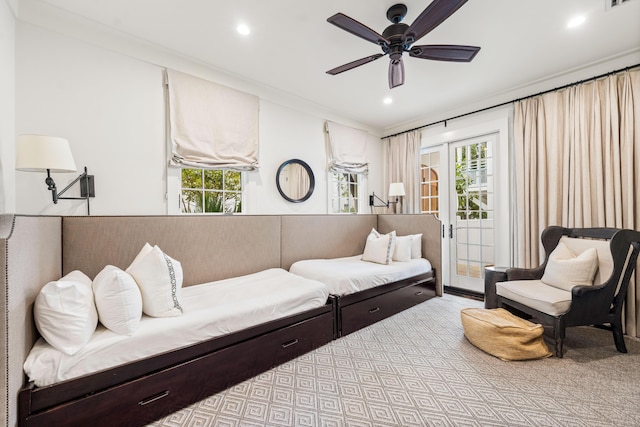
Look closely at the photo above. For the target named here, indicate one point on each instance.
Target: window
(210, 191)
(429, 182)
(343, 191)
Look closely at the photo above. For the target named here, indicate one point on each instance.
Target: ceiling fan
(398, 38)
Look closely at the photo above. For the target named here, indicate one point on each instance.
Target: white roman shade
(346, 149)
(211, 126)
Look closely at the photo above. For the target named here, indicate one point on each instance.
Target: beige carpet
(418, 369)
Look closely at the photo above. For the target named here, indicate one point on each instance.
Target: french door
(458, 185)
(471, 214)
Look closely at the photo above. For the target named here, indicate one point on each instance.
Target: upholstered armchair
(583, 281)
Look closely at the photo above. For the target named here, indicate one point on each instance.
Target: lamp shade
(396, 189)
(37, 153)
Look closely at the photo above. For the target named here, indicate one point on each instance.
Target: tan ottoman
(504, 335)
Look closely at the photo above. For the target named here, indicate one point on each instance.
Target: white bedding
(348, 275)
(210, 310)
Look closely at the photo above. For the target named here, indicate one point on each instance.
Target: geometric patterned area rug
(417, 369)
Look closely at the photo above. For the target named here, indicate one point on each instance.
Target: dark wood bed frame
(364, 308)
(156, 386)
(151, 388)
(140, 392)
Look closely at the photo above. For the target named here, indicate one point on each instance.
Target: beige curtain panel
(402, 154)
(300, 181)
(346, 149)
(211, 126)
(577, 163)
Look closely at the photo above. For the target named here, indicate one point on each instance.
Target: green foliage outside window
(211, 191)
(470, 201)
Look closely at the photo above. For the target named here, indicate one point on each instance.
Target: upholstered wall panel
(30, 252)
(36, 250)
(323, 236)
(209, 247)
(431, 229)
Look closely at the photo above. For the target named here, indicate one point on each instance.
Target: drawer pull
(373, 310)
(418, 293)
(290, 343)
(154, 398)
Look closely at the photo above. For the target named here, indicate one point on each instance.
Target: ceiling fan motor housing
(396, 13)
(395, 34)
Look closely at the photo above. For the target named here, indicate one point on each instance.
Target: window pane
(191, 201)
(213, 201)
(232, 202)
(213, 179)
(232, 181)
(335, 205)
(192, 178)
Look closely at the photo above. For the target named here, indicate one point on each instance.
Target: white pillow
(402, 251)
(379, 247)
(564, 270)
(118, 300)
(416, 246)
(65, 313)
(159, 278)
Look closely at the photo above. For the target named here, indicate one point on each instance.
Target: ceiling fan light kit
(398, 38)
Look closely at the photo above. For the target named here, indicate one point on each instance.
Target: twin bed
(367, 292)
(246, 320)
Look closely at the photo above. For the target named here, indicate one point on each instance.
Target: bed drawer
(148, 398)
(363, 313)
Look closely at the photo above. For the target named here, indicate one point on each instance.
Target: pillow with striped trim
(379, 247)
(159, 278)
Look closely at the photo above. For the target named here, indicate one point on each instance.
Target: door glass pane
(473, 206)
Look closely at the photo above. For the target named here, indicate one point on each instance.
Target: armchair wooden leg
(558, 335)
(618, 338)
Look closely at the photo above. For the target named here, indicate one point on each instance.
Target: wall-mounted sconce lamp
(39, 153)
(396, 189)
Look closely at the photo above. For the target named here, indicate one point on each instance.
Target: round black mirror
(295, 181)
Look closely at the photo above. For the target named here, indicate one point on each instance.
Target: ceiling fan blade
(396, 73)
(431, 17)
(354, 64)
(341, 20)
(445, 52)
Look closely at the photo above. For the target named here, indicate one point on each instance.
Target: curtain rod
(515, 100)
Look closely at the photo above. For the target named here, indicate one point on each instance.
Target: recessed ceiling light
(577, 21)
(387, 100)
(243, 29)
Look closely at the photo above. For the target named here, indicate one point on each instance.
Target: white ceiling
(526, 47)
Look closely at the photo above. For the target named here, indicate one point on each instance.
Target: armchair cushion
(605, 260)
(565, 270)
(535, 294)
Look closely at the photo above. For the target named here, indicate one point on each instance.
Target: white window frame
(362, 193)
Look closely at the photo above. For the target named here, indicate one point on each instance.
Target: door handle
(451, 231)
